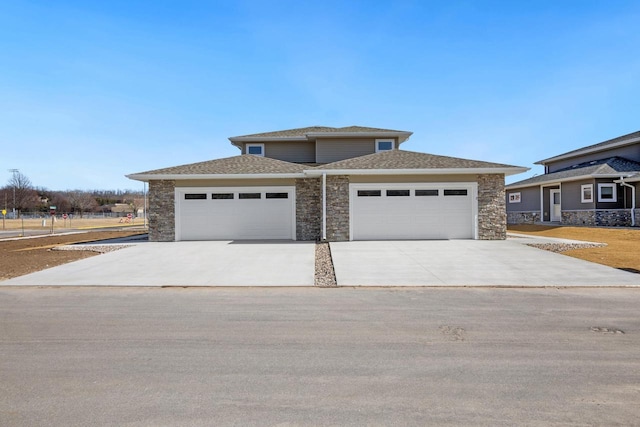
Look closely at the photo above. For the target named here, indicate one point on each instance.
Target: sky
(93, 90)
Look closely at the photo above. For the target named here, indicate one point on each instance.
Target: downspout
(633, 200)
(324, 206)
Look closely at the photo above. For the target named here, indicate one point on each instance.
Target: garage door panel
(423, 216)
(225, 216)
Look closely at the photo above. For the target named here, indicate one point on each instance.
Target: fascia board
(448, 171)
(588, 151)
(182, 177)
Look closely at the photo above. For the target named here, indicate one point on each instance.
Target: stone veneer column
(337, 208)
(492, 210)
(308, 208)
(162, 215)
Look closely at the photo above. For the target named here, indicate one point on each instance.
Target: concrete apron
(507, 263)
(214, 263)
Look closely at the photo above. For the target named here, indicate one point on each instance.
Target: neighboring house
(594, 185)
(324, 183)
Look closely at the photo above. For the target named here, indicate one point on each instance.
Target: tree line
(21, 194)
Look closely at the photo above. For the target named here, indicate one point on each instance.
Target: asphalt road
(308, 356)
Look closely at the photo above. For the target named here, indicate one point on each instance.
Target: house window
(195, 196)
(255, 149)
(398, 193)
(515, 197)
(427, 192)
(243, 196)
(607, 193)
(220, 196)
(587, 193)
(455, 192)
(277, 195)
(369, 193)
(384, 145)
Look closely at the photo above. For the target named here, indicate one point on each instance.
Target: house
(594, 185)
(325, 183)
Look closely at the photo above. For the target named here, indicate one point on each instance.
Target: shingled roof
(237, 165)
(605, 168)
(631, 138)
(302, 132)
(401, 159)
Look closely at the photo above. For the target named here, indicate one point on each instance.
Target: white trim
(585, 187)
(261, 145)
(552, 205)
(472, 186)
(614, 186)
(559, 184)
(178, 200)
(391, 140)
(587, 150)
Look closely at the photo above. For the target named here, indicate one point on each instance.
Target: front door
(556, 211)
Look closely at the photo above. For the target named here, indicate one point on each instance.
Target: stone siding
(613, 217)
(308, 208)
(162, 211)
(523, 217)
(337, 208)
(587, 218)
(492, 216)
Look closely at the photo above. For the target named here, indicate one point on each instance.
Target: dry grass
(622, 250)
(61, 224)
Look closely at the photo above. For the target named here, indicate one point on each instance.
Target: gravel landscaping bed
(91, 248)
(563, 247)
(325, 275)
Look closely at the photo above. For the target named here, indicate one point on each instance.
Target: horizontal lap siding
(333, 150)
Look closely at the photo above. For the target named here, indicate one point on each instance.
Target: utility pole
(14, 172)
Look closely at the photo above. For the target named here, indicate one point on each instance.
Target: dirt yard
(23, 256)
(622, 250)
(74, 223)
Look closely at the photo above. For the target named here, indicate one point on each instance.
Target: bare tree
(23, 196)
(81, 201)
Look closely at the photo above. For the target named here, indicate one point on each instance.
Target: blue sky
(93, 90)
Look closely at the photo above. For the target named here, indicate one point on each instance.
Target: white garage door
(413, 211)
(235, 213)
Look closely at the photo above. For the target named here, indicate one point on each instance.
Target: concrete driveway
(467, 263)
(218, 263)
(377, 263)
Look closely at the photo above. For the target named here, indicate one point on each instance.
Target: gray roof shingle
(401, 159)
(301, 132)
(610, 166)
(243, 164)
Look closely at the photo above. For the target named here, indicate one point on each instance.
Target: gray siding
(529, 200)
(332, 150)
(572, 195)
(631, 152)
(294, 152)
